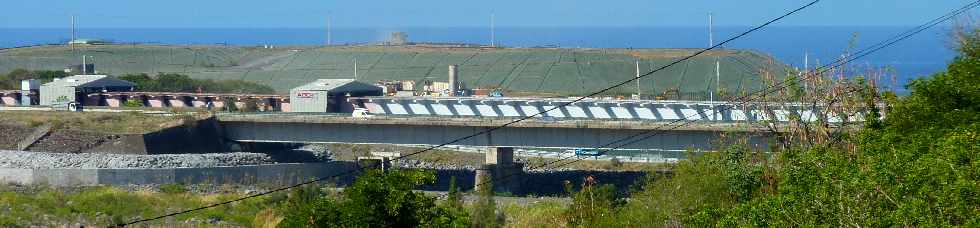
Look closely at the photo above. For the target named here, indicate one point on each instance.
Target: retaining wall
(541, 184)
(274, 174)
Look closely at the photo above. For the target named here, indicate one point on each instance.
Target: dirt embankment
(72, 141)
(10, 134)
(58, 140)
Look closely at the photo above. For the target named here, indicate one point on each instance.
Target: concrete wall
(544, 137)
(203, 137)
(274, 174)
(541, 184)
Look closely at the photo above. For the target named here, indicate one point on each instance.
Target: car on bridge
(588, 152)
(361, 113)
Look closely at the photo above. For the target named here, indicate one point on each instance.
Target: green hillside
(559, 71)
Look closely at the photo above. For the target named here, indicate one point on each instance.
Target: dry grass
(586, 164)
(267, 219)
(544, 214)
(110, 123)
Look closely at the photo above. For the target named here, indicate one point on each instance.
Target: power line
(860, 54)
(840, 62)
(501, 126)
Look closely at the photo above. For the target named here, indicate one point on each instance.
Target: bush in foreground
(376, 199)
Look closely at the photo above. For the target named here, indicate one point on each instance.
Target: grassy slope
(559, 71)
(106, 206)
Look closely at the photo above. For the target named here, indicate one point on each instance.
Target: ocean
(921, 55)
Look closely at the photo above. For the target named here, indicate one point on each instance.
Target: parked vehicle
(588, 152)
(361, 113)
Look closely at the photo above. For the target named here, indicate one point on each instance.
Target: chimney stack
(453, 82)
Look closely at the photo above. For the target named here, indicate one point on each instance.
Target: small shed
(330, 95)
(77, 88)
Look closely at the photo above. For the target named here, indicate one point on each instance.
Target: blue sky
(454, 13)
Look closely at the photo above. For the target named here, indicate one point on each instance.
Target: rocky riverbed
(42, 160)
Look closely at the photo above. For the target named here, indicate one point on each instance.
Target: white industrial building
(77, 88)
(330, 95)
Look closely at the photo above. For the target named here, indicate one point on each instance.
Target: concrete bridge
(600, 109)
(539, 133)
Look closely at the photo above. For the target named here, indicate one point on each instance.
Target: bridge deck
(494, 122)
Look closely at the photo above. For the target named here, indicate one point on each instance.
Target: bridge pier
(199, 102)
(155, 101)
(8, 100)
(500, 171)
(177, 102)
(114, 101)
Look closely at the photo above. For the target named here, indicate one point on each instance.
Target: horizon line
(475, 27)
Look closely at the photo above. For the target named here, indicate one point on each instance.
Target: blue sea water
(921, 55)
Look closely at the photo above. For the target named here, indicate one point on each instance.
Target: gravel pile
(417, 164)
(39, 160)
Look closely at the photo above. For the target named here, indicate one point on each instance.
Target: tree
(917, 166)
(592, 204)
(376, 199)
(12, 79)
(485, 208)
(169, 82)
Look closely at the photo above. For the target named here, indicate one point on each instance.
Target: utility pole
(806, 69)
(638, 93)
(355, 69)
(711, 36)
(72, 41)
(329, 42)
(493, 35)
(806, 60)
(711, 43)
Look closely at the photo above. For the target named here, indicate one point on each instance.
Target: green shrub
(133, 103)
(592, 204)
(169, 82)
(376, 199)
(173, 188)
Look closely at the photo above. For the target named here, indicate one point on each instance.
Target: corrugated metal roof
(337, 85)
(95, 81)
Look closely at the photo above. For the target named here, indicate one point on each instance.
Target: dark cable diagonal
(497, 127)
(840, 62)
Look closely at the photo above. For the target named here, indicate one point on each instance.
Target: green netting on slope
(562, 71)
